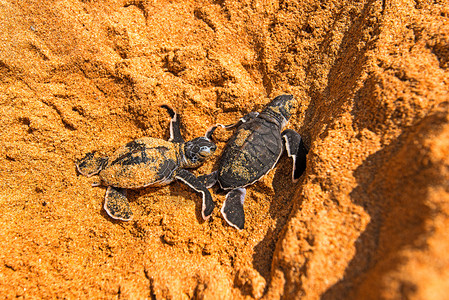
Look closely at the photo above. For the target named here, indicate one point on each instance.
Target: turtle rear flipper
(296, 150)
(232, 209)
(90, 164)
(116, 204)
(188, 178)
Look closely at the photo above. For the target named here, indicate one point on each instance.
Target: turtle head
(198, 150)
(281, 106)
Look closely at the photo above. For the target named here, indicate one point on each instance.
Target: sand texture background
(368, 219)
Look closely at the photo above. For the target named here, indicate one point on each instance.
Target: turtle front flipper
(209, 180)
(248, 117)
(296, 150)
(175, 128)
(90, 164)
(188, 178)
(116, 204)
(232, 209)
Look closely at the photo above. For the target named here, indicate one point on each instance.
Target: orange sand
(367, 220)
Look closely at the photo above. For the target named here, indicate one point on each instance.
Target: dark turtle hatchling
(253, 151)
(150, 161)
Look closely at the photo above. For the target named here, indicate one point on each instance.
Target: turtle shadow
(175, 191)
(281, 205)
(179, 189)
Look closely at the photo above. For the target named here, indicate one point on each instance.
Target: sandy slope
(368, 219)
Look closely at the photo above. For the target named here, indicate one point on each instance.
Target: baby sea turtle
(253, 151)
(150, 161)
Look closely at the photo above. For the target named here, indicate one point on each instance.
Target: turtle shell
(251, 153)
(142, 162)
